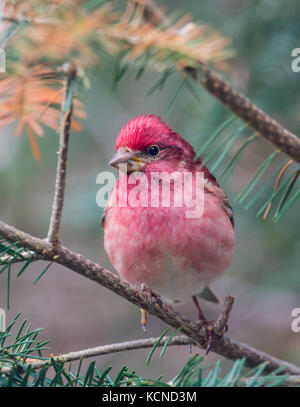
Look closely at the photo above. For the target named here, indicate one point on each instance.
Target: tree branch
(224, 315)
(108, 349)
(225, 346)
(179, 340)
(64, 136)
(260, 121)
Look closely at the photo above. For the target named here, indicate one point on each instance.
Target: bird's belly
(174, 271)
(177, 283)
(167, 275)
(172, 255)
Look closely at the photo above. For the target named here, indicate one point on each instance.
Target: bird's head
(146, 143)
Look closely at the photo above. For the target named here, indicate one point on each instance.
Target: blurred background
(76, 313)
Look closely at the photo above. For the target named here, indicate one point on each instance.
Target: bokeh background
(76, 313)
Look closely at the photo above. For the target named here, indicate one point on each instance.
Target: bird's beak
(126, 156)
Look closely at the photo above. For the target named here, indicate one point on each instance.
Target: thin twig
(64, 136)
(221, 323)
(108, 349)
(225, 346)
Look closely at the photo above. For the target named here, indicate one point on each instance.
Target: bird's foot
(146, 290)
(144, 314)
(209, 327)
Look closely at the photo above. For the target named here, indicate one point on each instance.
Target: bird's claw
(209, 327)
(144, 318)
(146, 290)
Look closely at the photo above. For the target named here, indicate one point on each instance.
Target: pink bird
(158, 246)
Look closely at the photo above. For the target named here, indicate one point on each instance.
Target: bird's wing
(215, 189)
(212, 186)
(229, 211)
(103, 218)
(109, 204)
(208, 294)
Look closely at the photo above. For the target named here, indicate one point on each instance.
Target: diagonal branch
(225, 346)
(260, 121)
(64, 136)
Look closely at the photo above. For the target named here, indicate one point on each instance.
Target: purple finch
(159, 246)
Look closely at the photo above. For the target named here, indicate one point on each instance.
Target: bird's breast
(169, 252)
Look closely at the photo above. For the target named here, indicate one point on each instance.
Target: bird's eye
(153, 150)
